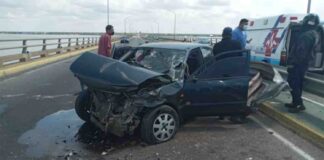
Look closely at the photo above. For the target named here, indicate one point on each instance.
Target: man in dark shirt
(226, 44)
(298, 60)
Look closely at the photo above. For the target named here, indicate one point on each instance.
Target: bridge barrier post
(77, 43)
(59, 46)
(69, 45)
(92, 41)
(24, 52)
(96, 41)
(82, 43)
(44, 54)
(88, 44)
(24, 49)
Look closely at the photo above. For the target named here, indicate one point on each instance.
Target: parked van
(272, 39)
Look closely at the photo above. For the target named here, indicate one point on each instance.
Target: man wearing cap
(226, 44)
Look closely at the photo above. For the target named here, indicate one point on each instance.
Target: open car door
(219, 86)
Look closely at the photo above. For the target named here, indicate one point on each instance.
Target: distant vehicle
(203, 40)
(158, 85)
(124, 40)
(273, 38)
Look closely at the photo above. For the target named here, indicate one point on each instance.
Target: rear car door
(220, 86)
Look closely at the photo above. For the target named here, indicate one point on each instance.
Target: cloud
(8, 4)
(193, 16)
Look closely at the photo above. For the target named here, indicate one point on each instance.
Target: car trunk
(266, 83)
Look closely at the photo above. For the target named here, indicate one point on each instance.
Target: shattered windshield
(161, 60)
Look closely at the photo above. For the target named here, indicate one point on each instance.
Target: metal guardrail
(74, 43)
(314, 83)
(213, 39)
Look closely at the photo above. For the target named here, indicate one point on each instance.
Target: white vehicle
(203, 40)
(272, 38)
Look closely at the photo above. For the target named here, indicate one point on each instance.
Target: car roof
(174, 45)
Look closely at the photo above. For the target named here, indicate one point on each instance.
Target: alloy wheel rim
(164, 127)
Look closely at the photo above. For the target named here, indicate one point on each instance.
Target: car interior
(195, 60)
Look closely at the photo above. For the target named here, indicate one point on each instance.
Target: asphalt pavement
(37, 121)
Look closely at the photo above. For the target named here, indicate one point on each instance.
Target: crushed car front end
(117, 94)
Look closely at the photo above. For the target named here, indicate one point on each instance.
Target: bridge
(37, 118)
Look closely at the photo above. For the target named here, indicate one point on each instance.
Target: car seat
(194, 61)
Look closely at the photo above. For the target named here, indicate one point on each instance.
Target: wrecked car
(156, 86)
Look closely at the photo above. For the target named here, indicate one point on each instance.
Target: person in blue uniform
(239, 33)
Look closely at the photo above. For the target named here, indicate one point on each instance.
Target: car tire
(83, 104)
(238, 119)
(159, 125)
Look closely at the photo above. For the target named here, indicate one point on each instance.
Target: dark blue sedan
(154, 87)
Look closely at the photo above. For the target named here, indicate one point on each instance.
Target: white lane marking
(312, 101)
(38, 97)
(284, 140)
(13, 95)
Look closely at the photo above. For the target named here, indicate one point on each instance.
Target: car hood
(106, 73)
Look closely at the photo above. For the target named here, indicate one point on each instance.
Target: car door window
(225, 68)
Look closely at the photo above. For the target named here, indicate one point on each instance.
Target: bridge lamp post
(309, 6)
(107, 12)
(158, 27)
(175, 23)
(125, 23)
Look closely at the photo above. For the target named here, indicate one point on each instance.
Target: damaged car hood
(106, 73)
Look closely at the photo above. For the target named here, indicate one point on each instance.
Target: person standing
(239, 33)
(105, 45)
(299, 58)
(226, 44)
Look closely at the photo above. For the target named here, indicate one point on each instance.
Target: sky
(192, 16)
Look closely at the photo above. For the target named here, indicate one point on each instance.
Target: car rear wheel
(159, 125)
(82, 105)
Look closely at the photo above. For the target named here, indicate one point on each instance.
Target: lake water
(31, 36)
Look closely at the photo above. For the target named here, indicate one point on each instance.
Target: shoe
(290, 105)
(296, 109)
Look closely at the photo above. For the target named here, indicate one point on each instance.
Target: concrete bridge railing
(41, 47)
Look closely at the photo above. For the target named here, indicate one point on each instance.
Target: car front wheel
(159, 125)
(82, 105)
